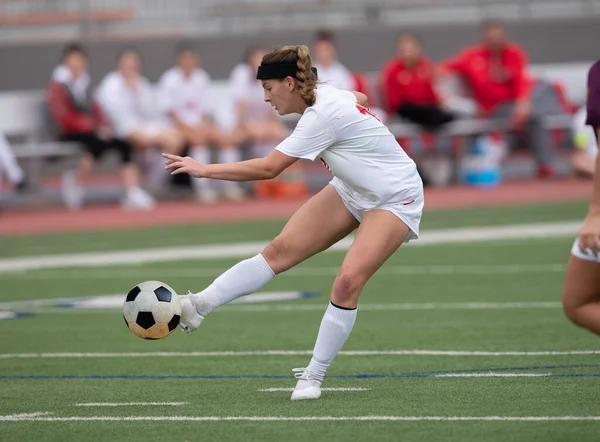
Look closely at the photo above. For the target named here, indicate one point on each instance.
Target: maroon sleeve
(593, 96)
(68, 119)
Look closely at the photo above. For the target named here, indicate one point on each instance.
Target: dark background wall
(28, 66)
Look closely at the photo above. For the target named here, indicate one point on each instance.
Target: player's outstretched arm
(251, 170)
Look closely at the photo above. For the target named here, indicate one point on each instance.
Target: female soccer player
(254, 123)
(375, 188)
(582, 281)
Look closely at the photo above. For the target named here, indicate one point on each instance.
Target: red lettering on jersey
(363, 110)
(325, 164)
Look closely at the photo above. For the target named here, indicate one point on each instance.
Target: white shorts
(410, 212)
(587, 256)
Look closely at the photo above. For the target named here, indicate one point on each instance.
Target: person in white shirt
(375, 189)
(130, 102)
(331, 71)
(184, 101)
(254, 120)
(9, 167)
(584, 158)
(245, 113)
(78, 118)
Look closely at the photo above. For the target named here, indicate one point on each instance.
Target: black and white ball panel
(163, 294)
(133, 293)
(152, 310)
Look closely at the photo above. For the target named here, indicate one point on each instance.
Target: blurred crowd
(128, 114)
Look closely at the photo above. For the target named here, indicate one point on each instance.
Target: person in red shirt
(408, 83)
(77, 117)
(496, 72)
(408, 91)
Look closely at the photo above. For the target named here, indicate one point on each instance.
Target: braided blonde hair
(306, 76)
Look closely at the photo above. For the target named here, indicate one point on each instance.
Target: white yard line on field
(130, 404)
(101, 303)
(208, 354)
(274, 390)
(38, 418)
(239, 250)
(401, 306)
(196, 272)
(492, 375)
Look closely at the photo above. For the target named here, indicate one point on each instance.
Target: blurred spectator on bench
(496, 72)
(131, 104)
(78, 118)
(9, 167)
(333, 73)
(409, 91)
(408, 84)
(183, 94)
(257, 125)
(584, 157)
(325, 58)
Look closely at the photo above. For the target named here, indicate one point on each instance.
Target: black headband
(277, 71)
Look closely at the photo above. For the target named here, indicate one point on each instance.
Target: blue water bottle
(482, 166)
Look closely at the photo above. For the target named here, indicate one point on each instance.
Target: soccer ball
(152, 310)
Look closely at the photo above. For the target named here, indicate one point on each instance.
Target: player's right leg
(582, 290)
(380, 234)
(317, 225)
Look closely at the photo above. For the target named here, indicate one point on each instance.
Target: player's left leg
(321, 222)
(380, 234)
(581, 292)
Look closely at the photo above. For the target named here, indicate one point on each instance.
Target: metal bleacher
(22, 116)
(23, 120)
(224, 17)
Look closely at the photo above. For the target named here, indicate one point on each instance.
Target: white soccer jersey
(357, 148)
(336, 75)
(187, 97)
(127, 109)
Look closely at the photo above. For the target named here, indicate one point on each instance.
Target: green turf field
(453, 342)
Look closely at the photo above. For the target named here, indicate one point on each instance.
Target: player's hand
(188, 165)
(589, 235)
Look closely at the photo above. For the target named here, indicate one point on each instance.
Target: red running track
(105, 217)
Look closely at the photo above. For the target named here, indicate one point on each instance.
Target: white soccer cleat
(190, 318)
(138, 199)
(308, 386)
(207, 196)
(234, 193)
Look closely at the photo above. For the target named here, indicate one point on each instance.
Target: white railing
(23, 19)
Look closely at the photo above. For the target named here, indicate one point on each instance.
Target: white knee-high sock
(8, 163)
(202, 155)
(244, 278)
(336, 325)
(228, 156)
